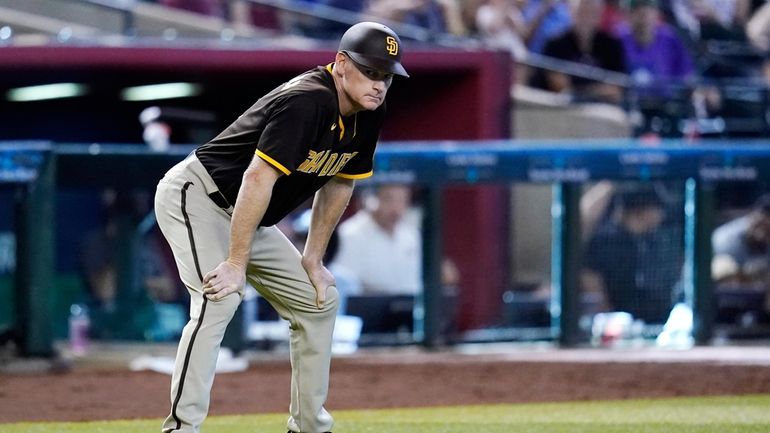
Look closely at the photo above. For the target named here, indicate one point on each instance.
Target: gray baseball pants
(198, 231)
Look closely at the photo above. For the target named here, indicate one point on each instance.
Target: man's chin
(371, 104)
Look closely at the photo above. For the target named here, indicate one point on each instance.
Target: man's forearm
(253, 199)
(329, 204)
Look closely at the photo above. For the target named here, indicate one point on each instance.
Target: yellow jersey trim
(329, 68)
(273, 162)
(355, 176)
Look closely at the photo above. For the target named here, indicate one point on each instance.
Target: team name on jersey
(325, 162)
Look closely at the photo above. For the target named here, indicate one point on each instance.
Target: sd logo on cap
(364, 44)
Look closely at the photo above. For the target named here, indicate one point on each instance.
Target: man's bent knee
(227, 305)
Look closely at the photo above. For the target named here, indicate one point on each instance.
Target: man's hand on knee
(321, 278)
(225, 279)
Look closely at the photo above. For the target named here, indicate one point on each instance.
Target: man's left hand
(322, 279)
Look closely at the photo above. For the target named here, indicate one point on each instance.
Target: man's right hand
(225, 279)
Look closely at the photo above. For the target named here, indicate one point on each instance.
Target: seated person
(545, 19)
(381, 246)
(586, 44)
(501, 25)
(120, 307)
(658, 61)
(632, 260)
(661, 68)
(741, 250)
(703, 20)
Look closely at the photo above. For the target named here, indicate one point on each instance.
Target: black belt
(219, 199)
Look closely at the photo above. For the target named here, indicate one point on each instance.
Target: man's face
(643, 219)
(365, 87)
(392, 205)
(643, 20)
(588, 13)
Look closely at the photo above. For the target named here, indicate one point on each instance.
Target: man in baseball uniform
(312, 136)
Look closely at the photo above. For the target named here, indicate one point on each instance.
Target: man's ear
(339, 63)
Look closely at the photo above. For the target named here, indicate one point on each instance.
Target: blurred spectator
(453, 15)
(119, 310)
(156, 133)
(381, 246)
(595, 205)
(661, 68)
(630, 261)
(585, 43)
(100, 247)
(717, 33)
(546, 19)
(98, 266)
(741, 249)
(612, 17)
(655, 56)
(758, 28)
(428, 14)
(712, 19)
(501, 25)
(468, 13)
(160, 277)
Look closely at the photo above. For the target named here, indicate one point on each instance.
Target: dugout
(564, 164)
(454, 94)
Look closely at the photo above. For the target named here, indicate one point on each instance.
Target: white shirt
(384, 263)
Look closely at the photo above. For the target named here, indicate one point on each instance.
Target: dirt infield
(412, 378)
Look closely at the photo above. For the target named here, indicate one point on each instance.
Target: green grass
(748, 414)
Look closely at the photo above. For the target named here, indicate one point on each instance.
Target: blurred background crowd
(704, 59)
(692, 68)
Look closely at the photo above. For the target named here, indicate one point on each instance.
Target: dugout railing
(566, 164)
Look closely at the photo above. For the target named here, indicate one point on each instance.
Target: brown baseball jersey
(298, 130)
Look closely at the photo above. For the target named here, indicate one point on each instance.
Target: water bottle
(79, 327)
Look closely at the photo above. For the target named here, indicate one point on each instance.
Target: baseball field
(746, 414)
(703, 390)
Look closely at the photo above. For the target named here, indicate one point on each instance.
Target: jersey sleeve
(361, 165)
(290, 131)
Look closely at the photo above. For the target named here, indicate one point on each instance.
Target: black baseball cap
(375, 46)
(639, 196)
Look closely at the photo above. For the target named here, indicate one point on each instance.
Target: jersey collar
(341, 124)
